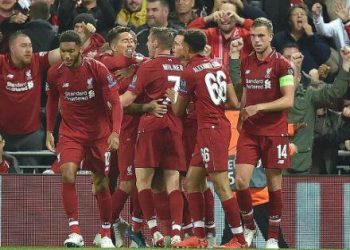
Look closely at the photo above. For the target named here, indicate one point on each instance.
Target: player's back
(153, 78)
(83, 106)
(206, 78)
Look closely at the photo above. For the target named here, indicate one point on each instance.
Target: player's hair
(70, 36)
(180, 32)
(114, 33)
(15, 35)
(164, 3)
(196, 40)
(164, 36)
(262, 21)
(290, 45)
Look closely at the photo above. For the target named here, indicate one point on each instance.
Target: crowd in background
(318, 29)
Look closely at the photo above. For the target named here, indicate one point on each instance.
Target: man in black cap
(85, 26)
(101, 10)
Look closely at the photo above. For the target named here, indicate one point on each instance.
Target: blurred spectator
(324, 155)
(133, 13)
(334, 29)
(39, 30)
(7, 9)
(12, 18)
(184, 12)
(336, 137)
(157, 16)
(53, 17)
(229, 28)
(277, 14)
(306, 101)
(20, 113)
(315, 49)
(4, 166)
(330, 5)
(102, 10)
(247, 10)
(85, 27)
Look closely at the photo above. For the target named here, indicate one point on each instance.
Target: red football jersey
(152, 79)
(206, 79)
(83, 93)
(261, 81)
(20, 92)
(130, 122)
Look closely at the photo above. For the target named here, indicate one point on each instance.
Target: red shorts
(189, 140)
(160, 148)
(126, 154)
(96, 156)
(211, 149)
(272, 150)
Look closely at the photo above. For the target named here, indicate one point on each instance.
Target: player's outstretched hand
(113, 141)
(249, 111)
(157, 108)
(50, 141)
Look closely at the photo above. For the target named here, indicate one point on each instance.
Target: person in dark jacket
(315, 49)
(39, 30)
(306, 101)
(157, 16)
(102, 10)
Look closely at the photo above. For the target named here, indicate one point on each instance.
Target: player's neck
(17, 63)
(78, 63)
(262, 56)
(162, 52)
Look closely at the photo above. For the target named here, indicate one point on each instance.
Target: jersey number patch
(216, 85)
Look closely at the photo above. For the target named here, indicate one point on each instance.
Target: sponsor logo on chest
(13, 86)
(83, 95)
(258, 82)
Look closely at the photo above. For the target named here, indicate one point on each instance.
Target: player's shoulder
(56, 69)
(94, 65)
(91, 61)
(278, 56)
(151, 64)
(106, 59)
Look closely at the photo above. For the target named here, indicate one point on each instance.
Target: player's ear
(155, 43)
